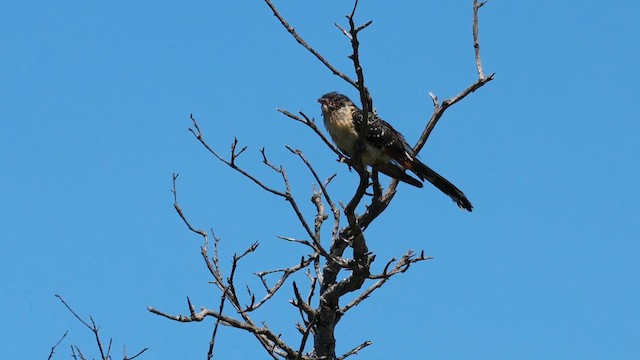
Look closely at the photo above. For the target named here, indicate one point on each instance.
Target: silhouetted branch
(212, 342)
(285, 275)
(401, 266)
(124, 354)
(262, 332)
(310, 122)
(302, 42)
(75, 349)
(365, 97)
(53, 348)
(95, 329)
(355, 350)
(227, 287)
(197, 132)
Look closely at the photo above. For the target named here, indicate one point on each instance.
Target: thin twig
(355, 350)
(320, 210)
(213, 265)
(400, 267)
(53, 348)
(136, 355)
(305, 337)
(229, 321)
(197, 132)
(290, 239)
(178, 209)
(301, 41)
(285, 275)
(95, 329)
(312, 124)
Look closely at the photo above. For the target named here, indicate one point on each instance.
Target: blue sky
(95, 105)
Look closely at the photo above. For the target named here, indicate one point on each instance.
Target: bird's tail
(396, 172)
(426, 173)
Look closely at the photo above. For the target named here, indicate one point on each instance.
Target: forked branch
(105, 352)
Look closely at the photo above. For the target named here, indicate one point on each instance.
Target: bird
(385, 149)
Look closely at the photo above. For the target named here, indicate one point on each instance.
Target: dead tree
(326, 259)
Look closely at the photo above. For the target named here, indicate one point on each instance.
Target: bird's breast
(342, 130)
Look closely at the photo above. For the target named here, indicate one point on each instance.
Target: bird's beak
(322, 101)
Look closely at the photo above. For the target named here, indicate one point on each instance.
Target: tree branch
(301, 41)
(355, 350)
(310, 122)
(400, 267)
(229, 321)
(285, 275)
(53, 348)
(95, 329)
(476, 40)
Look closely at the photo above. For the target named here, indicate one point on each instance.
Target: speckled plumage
(386, 150)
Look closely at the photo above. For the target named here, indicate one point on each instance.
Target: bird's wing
(383, 136)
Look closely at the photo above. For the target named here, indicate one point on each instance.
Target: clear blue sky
(95, 105)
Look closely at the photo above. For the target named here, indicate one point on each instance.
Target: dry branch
(53, 348)
(302, 42)
(95, 329)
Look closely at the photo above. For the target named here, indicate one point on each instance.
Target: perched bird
(385, 149)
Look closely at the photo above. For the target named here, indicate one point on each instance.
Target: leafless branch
(95, 329)
(53, 348)
(200, 232)
(285, 275)
(134, 356)
(438, 110)
(476, 41)
(197, 132)
(305, 309)
(108, 347)
(320, 215)
(401, 266)
(312, 287)
(229, 321)
(290, 239)
(301, 304)
(212, 342)
(302, 42)
(310, 122)
(355, 350)
(303, 341)
(227, 287)
(365, 97)
(325, 193)
(75, 349)
(234, 266)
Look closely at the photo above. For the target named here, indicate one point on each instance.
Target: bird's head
(333, 101)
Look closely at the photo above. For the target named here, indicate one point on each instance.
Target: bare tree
(325, 259)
